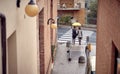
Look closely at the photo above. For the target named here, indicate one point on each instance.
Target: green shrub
(65, 20)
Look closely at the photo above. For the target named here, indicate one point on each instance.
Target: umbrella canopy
(76, 24)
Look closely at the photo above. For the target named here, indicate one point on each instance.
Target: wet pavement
(63, 66)
(61, 63)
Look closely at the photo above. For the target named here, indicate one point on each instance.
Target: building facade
(108, 37)
(28, 39)
(73, 8)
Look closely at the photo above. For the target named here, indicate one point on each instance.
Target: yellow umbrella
(76, 24)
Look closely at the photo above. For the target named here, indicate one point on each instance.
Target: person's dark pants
(73, 39)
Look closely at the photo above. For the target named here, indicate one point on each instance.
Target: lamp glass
(90, 47)
(31, 10)
(53, 26)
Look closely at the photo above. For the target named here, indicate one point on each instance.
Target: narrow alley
(43, 36)
(61, 64)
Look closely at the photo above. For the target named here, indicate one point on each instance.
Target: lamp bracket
(31, 2)
(18, 3)
(50, 19)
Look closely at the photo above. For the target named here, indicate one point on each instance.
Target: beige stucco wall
(26, 42)
(26, 35)
(40, 4)
(8, 8)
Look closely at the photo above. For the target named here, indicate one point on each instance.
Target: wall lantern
(89, 46)
(52, 23)
(31, 9)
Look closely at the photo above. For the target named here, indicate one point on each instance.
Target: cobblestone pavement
(63, 66)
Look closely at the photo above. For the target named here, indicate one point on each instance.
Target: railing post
(68, 45)
(87, 39)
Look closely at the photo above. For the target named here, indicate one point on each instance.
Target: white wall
(8, 8)
(26, 32)
(26, 35)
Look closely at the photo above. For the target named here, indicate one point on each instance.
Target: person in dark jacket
(80, 34)
(74, 34)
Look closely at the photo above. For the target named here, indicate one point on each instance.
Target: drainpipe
(51, 15)
(51, 9)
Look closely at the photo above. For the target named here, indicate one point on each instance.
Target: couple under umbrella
(76, 31)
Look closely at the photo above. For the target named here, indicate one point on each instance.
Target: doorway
(2, 44)
(116, 60)
(12, 54)
(64, 32)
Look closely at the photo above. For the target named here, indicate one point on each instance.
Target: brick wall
(41, 42)
(69, 3)
(64, 13)
(79, 14)
(108, 32)
(45, 36)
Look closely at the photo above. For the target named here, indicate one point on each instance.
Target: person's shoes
(68, 51)
(69, 59)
